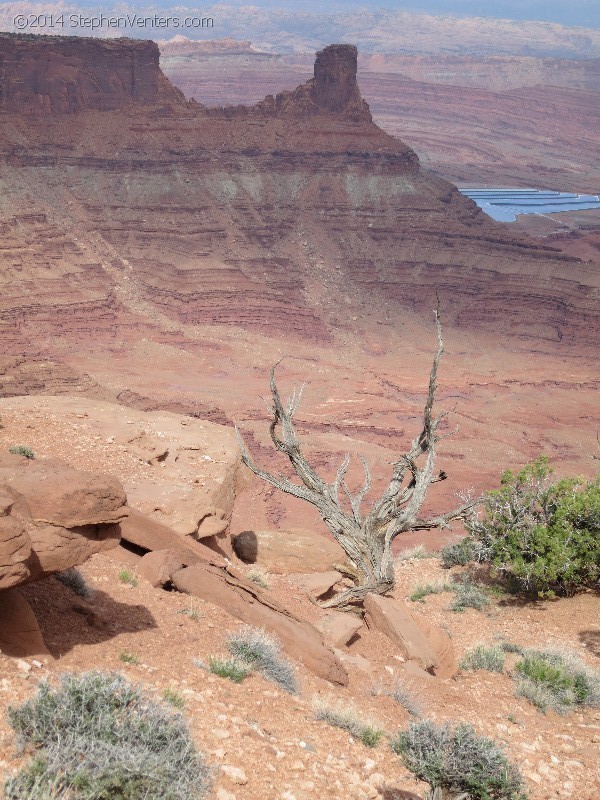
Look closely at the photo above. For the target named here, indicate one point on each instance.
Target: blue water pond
(504, 205)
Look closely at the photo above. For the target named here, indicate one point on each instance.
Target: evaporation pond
(505, 205)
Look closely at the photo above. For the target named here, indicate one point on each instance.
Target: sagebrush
(262, 652)
(457, 762)
(99, 737)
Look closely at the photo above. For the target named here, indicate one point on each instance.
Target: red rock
(146, 533)
(318, 583)
(339, 628)
(50, 491)
(62, 74)
(419, 641)
(20, 634)
(55, 517)
(159, 566)
(244, 601)
(288, 551)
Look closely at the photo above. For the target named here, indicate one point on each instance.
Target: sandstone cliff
(60, 74)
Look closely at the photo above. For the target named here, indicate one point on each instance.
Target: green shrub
(458, 554)
(99, 737)
(458, 762)
(555, 680)
(342, 714)
(75, 581)
(469, 596)
(230, 668)
(484, 658)
(22, 450)
(544, 537)
(125, 576)
(263, 653)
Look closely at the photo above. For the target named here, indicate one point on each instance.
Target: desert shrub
(400, 695)
(74, 580)
(467, 595)
(128, 658)
(99, 737)
(22, 450)
(425, 589)
(543, 537)
(483, 657)
(263, 653)
(511, 647)
(458, 554)
(125, 576)
(258, 575)
(230, 668)
(458, 762)
(343, 715)
(405, 699)
(560, 681)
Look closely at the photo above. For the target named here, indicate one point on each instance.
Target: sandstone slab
(337, 628)
(159, 566)
(318, 583)
(245, 601)
(53, 517)
(288, 551)
(419, 641)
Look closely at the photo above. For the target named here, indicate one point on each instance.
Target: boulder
(419, 641)
(338, 628)
(287, 551)
(53, 517)
(20, 635)
(50, 491)
(159, 566)
(242, 599)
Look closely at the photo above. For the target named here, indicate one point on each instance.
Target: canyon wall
(60, 74)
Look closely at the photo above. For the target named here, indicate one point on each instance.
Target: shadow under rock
(591, 640)
(67, 620)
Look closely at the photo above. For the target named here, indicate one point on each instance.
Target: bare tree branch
(367, 541)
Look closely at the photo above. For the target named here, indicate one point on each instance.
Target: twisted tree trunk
(366, 540)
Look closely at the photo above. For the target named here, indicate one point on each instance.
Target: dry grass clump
(262, 652)
(342, 714)
(259, 575)
(98, 736)
(74, 580)
(486, 658)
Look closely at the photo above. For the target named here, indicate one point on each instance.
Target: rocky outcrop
(425, 645)
(53, 517)
(245, 601)
(62, 74)
(288, 551)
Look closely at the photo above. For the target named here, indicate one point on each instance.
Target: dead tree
(366, 539)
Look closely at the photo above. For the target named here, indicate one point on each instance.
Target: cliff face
(62, 75)
(163, 214)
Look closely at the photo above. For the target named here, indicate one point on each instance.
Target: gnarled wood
(366, 540)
